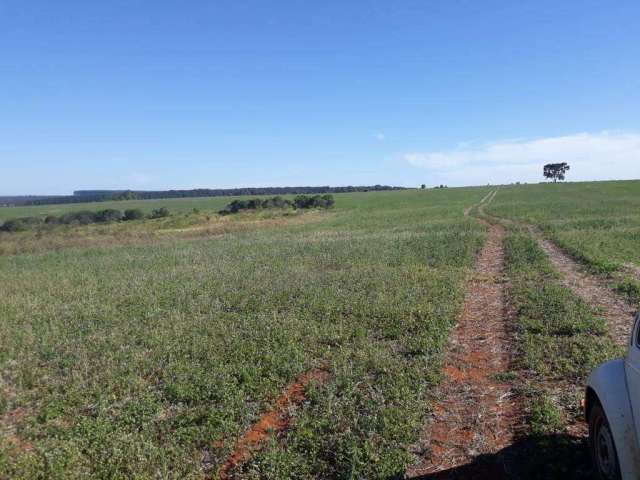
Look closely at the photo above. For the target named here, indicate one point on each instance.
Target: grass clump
(545, 416)
(629, 288)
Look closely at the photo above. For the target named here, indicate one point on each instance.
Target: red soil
(272, 422)
(475, 413)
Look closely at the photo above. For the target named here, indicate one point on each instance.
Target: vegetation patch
(150, 361)
(560, 339)
(299, 202)
(597, 223)
(630, 288)
(83, 217)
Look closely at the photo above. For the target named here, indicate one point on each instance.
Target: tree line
(299, 202)
(82, 196)
(84, 217)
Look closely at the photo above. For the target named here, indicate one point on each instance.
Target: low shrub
(84, 217)
(20, 224)
(316, 201)
(109, 215)
(299, 202)
(161, 212)
(133, 214)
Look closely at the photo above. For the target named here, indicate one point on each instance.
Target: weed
(629, 288)
(545, 416)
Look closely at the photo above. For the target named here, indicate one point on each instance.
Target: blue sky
(167, 94)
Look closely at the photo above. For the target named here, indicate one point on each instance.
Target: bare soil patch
(272, 423)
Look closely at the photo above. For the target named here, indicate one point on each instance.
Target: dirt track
(616, 311)
(475, 413)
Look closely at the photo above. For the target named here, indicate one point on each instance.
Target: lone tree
(555, 171)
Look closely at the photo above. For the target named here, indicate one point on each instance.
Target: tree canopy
(555, 171)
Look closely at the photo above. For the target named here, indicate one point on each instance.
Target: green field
(145, 349)
(149, 360)
(597, 222)
(177, 205)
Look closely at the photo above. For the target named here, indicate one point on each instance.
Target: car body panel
(632, 370)
(609, 383)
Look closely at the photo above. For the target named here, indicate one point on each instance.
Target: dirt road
(475, 413)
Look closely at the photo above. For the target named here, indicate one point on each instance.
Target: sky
(163, 94)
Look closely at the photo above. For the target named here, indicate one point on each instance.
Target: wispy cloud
(603, 155)
(379, 136)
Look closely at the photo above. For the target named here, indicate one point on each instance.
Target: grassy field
(145, 349)
(597, 222)
(176, 205)
(148, 360)
(559, 340)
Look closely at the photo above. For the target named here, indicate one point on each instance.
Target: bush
(275, 202)
(109, 215)
(11, 226)
(20, 224)
(16, 225)
(300, 201)
(160, 213)
(328, 201)
(133, 214)
(254, 204)
(234, 207)
(51, 220)
(279, 202)
(81, 218)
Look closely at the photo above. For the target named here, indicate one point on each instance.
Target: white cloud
(592, 156)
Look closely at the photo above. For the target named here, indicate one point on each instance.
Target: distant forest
(81, 196)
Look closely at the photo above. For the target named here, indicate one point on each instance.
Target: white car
(612, 409)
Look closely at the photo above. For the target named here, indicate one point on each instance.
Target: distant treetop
(555, 171)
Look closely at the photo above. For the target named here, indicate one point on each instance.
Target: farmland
(151, 359)
(148, 348)
(598, 222)
(178, 205)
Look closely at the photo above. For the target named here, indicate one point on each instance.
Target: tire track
(617, 312)
(475, 413)
(484, 199)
